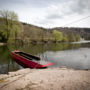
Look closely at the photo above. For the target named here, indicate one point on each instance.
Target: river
(70, 55)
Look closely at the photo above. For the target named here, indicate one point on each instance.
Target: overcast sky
(50, 13)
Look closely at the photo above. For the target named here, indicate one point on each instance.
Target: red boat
(29, 61)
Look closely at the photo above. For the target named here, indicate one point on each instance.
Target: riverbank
(46, 79)
(82, 41)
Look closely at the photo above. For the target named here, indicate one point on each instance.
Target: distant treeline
(11, 30)
(83, 32)
(36, 34)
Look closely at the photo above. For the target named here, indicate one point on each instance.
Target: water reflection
(40, 48)
(6, 62)
(62, 54)
(76, 59)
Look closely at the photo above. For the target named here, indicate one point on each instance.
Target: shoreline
(46, 79)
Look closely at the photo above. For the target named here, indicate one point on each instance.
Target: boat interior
(28, 56)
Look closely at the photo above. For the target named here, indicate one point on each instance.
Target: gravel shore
(46, 79)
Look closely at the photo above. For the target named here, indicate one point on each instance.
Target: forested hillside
(83, 32)
(12, 30)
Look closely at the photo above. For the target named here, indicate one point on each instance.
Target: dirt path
(46, 79)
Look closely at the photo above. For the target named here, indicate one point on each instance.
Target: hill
(33, 34)
(83, 32)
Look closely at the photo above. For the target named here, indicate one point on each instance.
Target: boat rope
(76, 21)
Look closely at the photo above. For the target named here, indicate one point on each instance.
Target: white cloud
(59, 14)
(50, 13)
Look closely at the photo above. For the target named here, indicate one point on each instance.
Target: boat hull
(26, 63)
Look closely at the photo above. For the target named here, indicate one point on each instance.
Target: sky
(50, 13)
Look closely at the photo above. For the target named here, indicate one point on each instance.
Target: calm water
(74, 55)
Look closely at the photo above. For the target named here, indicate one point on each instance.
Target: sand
(46, 79)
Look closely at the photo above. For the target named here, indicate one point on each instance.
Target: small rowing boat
(29, 61)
